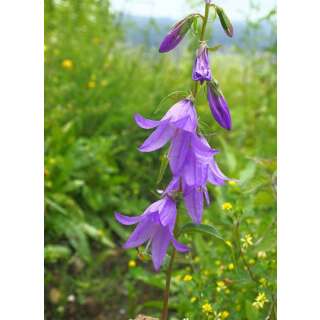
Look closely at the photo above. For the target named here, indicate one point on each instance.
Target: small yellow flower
(247, 241)
(225, 314)
(91, 84)
(260, 300)
(261, 254)
(226, 206)
(67, 64)
(187, 278)
(221, 286)
(230, 266)
(132, 263)
(207, 308)
(232, 183)
(193, 299)
(252, 261)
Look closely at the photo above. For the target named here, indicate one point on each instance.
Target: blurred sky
(178, 8)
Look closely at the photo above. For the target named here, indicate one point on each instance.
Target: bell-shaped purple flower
(193, 165)
(181, 116)
(155, 226)
(201, 68)
(218, 106)
(176, 34)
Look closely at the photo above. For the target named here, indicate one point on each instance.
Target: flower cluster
(191, 159)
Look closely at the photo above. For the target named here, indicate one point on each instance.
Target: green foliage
(94, 84)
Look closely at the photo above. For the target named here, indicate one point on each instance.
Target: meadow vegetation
(94, 83)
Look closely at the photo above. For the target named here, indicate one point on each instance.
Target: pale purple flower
(155, 226)
(218, 106)
(182, 116)
(176, 34)
(201, 68)
(193, 165)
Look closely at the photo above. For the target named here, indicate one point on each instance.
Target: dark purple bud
(218, 105)
(176, 34)
(201, 68)
(225, 21)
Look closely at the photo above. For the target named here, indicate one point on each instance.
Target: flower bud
(225, 21)
(201, 68)
(176, 34)
(218, 105)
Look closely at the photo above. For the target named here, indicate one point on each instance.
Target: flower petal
(143, 231)
(158, 138)
(178, 151)
(179, 246)
(160, 243)
(125, 220)
(168, 213)
(144, 122)
(193, 198)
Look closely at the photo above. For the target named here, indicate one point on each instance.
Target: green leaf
(215, 48)
(225, 21)
(52, 253)
(202, 228)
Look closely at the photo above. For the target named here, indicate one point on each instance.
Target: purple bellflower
(155, 226)
(193, 166)
(218, 106)
(182, 116)
(201, 68)
(176, 34)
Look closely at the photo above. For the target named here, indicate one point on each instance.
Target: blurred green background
(94, 82)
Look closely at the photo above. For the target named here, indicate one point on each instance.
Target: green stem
(164, 314)
(203, 32)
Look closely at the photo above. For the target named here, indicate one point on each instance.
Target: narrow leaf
(163, 167)
(202, 228)
(215, 48)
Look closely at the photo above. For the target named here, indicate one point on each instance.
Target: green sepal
(215, 48)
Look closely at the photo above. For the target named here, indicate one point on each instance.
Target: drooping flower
(192, 164)
(201, 69)
(182, 116)
(176, 34)
(218, 106)
(155, 226)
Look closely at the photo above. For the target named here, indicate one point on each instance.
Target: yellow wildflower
(221, 286)
(232, 183)
(207, 308)
(252, 261)
(205, 272)
(230, 266)
(263, 282)
(187, 278)
(67, 64)
(224, 314)
(132, 263)
(91, 84)
(226, 206)
(260, 300)
(261, 254)
(247, 241)
(193, 299)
